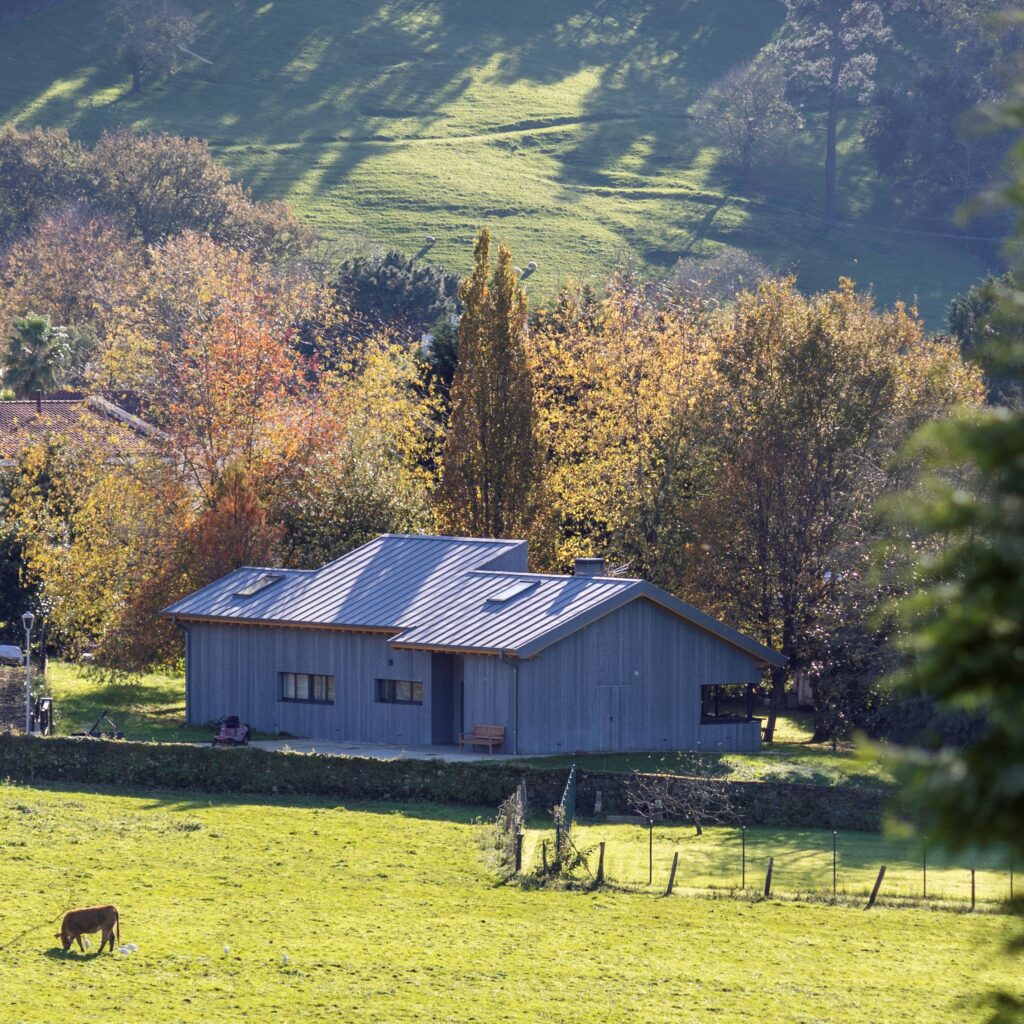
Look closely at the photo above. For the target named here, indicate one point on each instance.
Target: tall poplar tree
(490, 469)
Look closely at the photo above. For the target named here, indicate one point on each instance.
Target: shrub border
(475, 783)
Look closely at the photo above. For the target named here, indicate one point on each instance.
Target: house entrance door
(442, 699)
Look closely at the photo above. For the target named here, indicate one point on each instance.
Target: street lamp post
(27, 620)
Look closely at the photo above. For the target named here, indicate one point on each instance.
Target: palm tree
(37, 355)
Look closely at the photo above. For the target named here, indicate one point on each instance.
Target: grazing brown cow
(87, 921)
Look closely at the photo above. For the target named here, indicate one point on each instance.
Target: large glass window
(725, 703)
(399, 691)
(311, 689)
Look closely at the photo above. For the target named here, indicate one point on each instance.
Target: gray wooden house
(411, 640)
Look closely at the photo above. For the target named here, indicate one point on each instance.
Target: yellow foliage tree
(490, 470)
(624, 393)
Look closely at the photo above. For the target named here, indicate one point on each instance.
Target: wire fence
(805, 863)
(565, 812)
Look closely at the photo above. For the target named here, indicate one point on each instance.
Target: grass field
(387, 914)
(561, 124)
(802, 863)
(153, 708)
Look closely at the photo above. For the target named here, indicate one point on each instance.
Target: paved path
(379, 751)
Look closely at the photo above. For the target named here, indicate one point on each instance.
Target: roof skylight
(512, 590)
(253, 587)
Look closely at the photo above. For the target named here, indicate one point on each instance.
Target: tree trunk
(778, 697)
(830, 150)
(136, 78)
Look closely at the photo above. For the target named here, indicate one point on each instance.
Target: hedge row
(477, 783)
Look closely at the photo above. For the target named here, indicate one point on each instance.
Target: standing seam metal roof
(438, 593)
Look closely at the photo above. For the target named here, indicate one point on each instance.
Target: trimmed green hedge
(477, 783)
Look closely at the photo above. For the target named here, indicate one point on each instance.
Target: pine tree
(490, 469)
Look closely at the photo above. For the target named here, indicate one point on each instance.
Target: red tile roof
(89, 422)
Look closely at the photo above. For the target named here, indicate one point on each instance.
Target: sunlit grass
(802, 862)
(386, 913)
(562, 126)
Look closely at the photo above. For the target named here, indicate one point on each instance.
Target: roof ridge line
(554, 576)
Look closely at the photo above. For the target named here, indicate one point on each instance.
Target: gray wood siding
(735, 737)
(488, 688)
(235, 670)
(630, 681)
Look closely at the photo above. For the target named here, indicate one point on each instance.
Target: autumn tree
(623, 391)
(372, 476)
(833, 46)
(74, 266)
(490, 473)
(150, 36)
(40, 169)
(153, 184)
(816, 394)
(87, 528)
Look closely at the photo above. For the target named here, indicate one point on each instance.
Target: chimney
(39, 400)
(589, 567)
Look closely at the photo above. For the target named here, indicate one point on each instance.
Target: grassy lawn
(560, 123)
(791, 758)
(803, 862)
(151, 708)
(386, 913)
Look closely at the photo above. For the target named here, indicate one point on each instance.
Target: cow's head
(65, 940)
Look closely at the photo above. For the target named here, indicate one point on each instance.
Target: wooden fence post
(650, 850)
(519, 851)
(878, 885)
(600, 865)
(768, 878)
(672, 873)
(972, 888)
(743, 856)
(544, 855)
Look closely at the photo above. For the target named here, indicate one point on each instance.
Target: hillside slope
(560, 123)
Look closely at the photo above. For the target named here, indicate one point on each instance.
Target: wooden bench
(489, 736)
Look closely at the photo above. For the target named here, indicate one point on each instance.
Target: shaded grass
(561, 124)
(386, 914)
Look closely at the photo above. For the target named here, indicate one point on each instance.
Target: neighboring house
(92, 423)
(411, 640)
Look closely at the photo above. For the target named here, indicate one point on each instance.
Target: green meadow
(561, 124)
(305, 911)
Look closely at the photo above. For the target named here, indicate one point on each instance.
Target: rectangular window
(726, 703)
(399, 691)
(312, 689)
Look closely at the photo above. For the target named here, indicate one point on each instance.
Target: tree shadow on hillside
(337, 82)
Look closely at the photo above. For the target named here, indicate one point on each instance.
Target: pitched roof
(391, 583)
(93, 422)
(440, 593)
